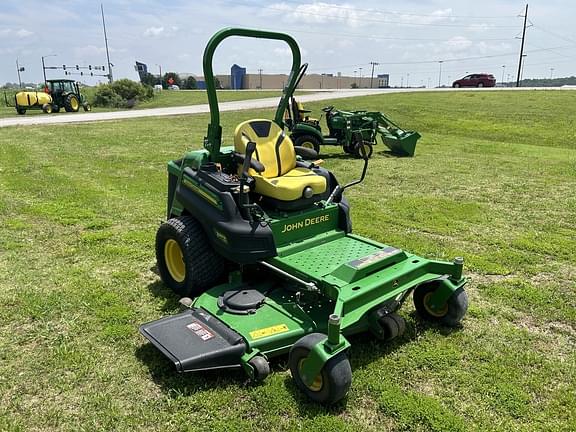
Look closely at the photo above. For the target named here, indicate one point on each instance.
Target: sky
(407, 38)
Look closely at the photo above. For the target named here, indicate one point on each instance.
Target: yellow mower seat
(281, 179)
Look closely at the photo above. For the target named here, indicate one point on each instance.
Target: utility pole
(106, 43)
(522, 47)
(19, 70)
(355, 81)
(503, 70)
(551, 72)
(159, 73)
(440, 73)
(408, 79)
(260, 73)
(372, 76)
(44, 67)
(360, 69)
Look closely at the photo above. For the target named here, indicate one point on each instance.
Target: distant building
(240, 80)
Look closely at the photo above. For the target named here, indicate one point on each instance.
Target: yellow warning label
(268, 331)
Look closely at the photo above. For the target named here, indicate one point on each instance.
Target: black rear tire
(186, 261)
(335, 378)
(308, 141)
(21, 111)
(451, 313)
(71, 103)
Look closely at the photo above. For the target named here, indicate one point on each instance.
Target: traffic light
(64, 67)
(89, 67)
(77, 67)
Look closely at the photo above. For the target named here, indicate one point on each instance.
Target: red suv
(476, 80)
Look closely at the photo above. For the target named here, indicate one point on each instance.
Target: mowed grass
(493, 180)
(166, 98)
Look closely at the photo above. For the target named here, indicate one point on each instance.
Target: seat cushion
(274, 149)
(290, 186)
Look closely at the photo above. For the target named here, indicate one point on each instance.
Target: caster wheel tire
(450, 314)
(261, 368)
(87, 107)
(21, 111)
(393, 326)
(308, 141)
(335, 377)
(186, 261)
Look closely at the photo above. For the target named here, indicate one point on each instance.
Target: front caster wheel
(450, 314)
(186, 261)
(393, 326)
(261, 368)
(334, 379)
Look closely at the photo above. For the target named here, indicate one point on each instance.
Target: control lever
(243, 198)
(338, 189)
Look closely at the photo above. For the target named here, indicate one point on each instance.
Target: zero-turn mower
(261, 239)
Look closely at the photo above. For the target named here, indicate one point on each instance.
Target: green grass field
(493, 180)
(162, 99)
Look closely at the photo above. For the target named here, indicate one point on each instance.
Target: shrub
(123, 93)
(190, 83)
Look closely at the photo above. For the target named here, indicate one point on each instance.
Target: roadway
(228, 106)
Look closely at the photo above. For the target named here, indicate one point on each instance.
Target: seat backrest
(274, 149)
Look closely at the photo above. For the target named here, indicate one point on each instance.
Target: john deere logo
(305, 223)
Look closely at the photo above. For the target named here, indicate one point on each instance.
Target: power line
(355, 35)
(384, 12)
(364, 19)
(537, 27)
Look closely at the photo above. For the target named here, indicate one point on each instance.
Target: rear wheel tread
(204, 267)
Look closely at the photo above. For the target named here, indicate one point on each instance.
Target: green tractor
(258, 243)
(348, 129)
(57, 94)
(66, 94)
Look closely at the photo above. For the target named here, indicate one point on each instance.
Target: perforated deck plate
(323, 259)
(348, 259)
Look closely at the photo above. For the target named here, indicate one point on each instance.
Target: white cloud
(94, 51)
(161, 31)
(11, 33)
(153, 31)
(435, 17)
(458, 43)
(319, 13)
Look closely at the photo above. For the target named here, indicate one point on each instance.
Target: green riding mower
(57, 94)
(258, 243)
(348, 129)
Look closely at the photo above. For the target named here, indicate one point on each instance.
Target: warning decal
(200, 331)
(376, 256)
(268, 331)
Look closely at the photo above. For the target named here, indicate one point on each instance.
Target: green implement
(258, 243)
(348, 129)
